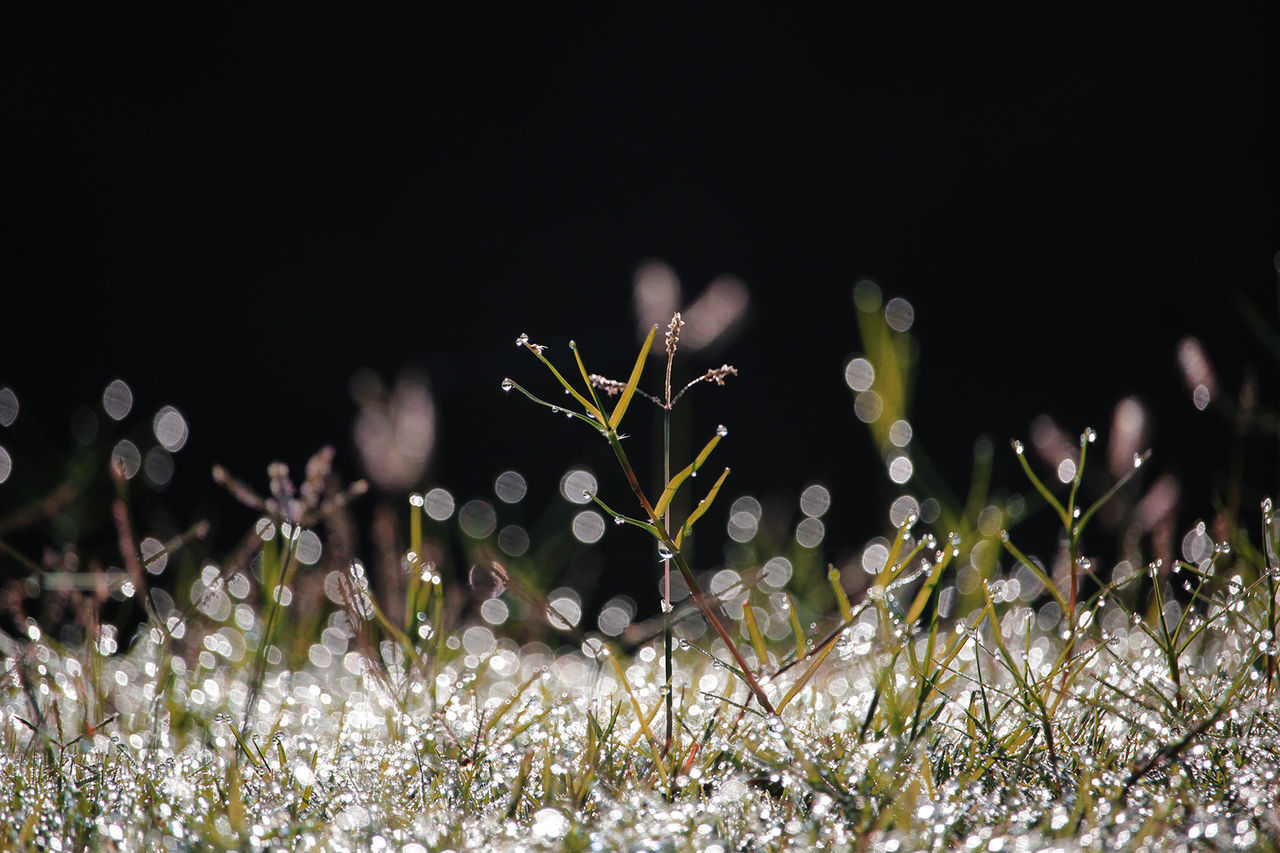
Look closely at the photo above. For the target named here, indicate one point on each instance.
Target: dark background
(237, 211)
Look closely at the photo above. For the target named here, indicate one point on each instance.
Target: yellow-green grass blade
(591, 388)
(842, 599)
(805, 677)
(700, 509)
(629, 391)
(586, 404)
(753, 630)
(1040, 487)
(669, 493)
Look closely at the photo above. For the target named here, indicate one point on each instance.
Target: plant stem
(666, 564)
(694, 588)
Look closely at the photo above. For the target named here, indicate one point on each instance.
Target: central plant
(656, 520)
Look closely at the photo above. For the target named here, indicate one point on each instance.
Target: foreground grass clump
(1026, 708)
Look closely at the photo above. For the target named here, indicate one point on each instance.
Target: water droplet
(1088, 436)
(617, 519)
(1004, 535)
(664, 553)
(522, 340)
(1137, 460)
(586, 493)
(1266, 507)
(555, 410)
(573, 344)
(775, 724)
(722, 430)
(875, 592)
(507, 385)
(953, 538)
(1223, 548)
(1017, 447)
(417, 499)
(666, 606)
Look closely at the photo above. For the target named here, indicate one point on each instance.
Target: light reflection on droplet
(874, 557)
(903, 507)
(154, 556)
(126, 458)
(747, 504)
(809, 533)
(859, 374)
(117, 399)
(510, 487)
(742, 526)
(776, 572)
(477, 518)
(494, 611)
(478, 640)
(900, 469)
(438, 504)
(170, 429)
(588, 526)
(8, 407)
(868, 407)
(576, 485)
(1066, 470)
(815, 500)
(513, 540)
(616, 615)
(565, 605)
(899, 314)
(900, 433)
(309, 548)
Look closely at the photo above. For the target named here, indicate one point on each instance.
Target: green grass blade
(629, 391)
(701, 508)
(669, 493)
(586, 404)
(1020, 451)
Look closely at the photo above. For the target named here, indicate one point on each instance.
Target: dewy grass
(952, 692)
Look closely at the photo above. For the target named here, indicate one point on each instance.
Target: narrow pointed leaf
(703, 506)
(805, 677)
(586, 404)
(628, 392)
(669, 493)
(596, 409)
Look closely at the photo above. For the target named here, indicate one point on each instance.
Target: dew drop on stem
(522, 340)
(507, 385)
(722, 430)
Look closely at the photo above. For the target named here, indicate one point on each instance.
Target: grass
(950, 691)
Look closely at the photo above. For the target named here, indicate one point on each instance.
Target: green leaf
(628, 392)
(596, 409)
(703, 506)
(586, 404)
(669, 493)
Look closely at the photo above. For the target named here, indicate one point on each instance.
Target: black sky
(236, 210)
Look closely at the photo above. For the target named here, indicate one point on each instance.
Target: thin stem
(666, 564)
(687, 573)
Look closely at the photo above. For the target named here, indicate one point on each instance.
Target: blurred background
(235, 237)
